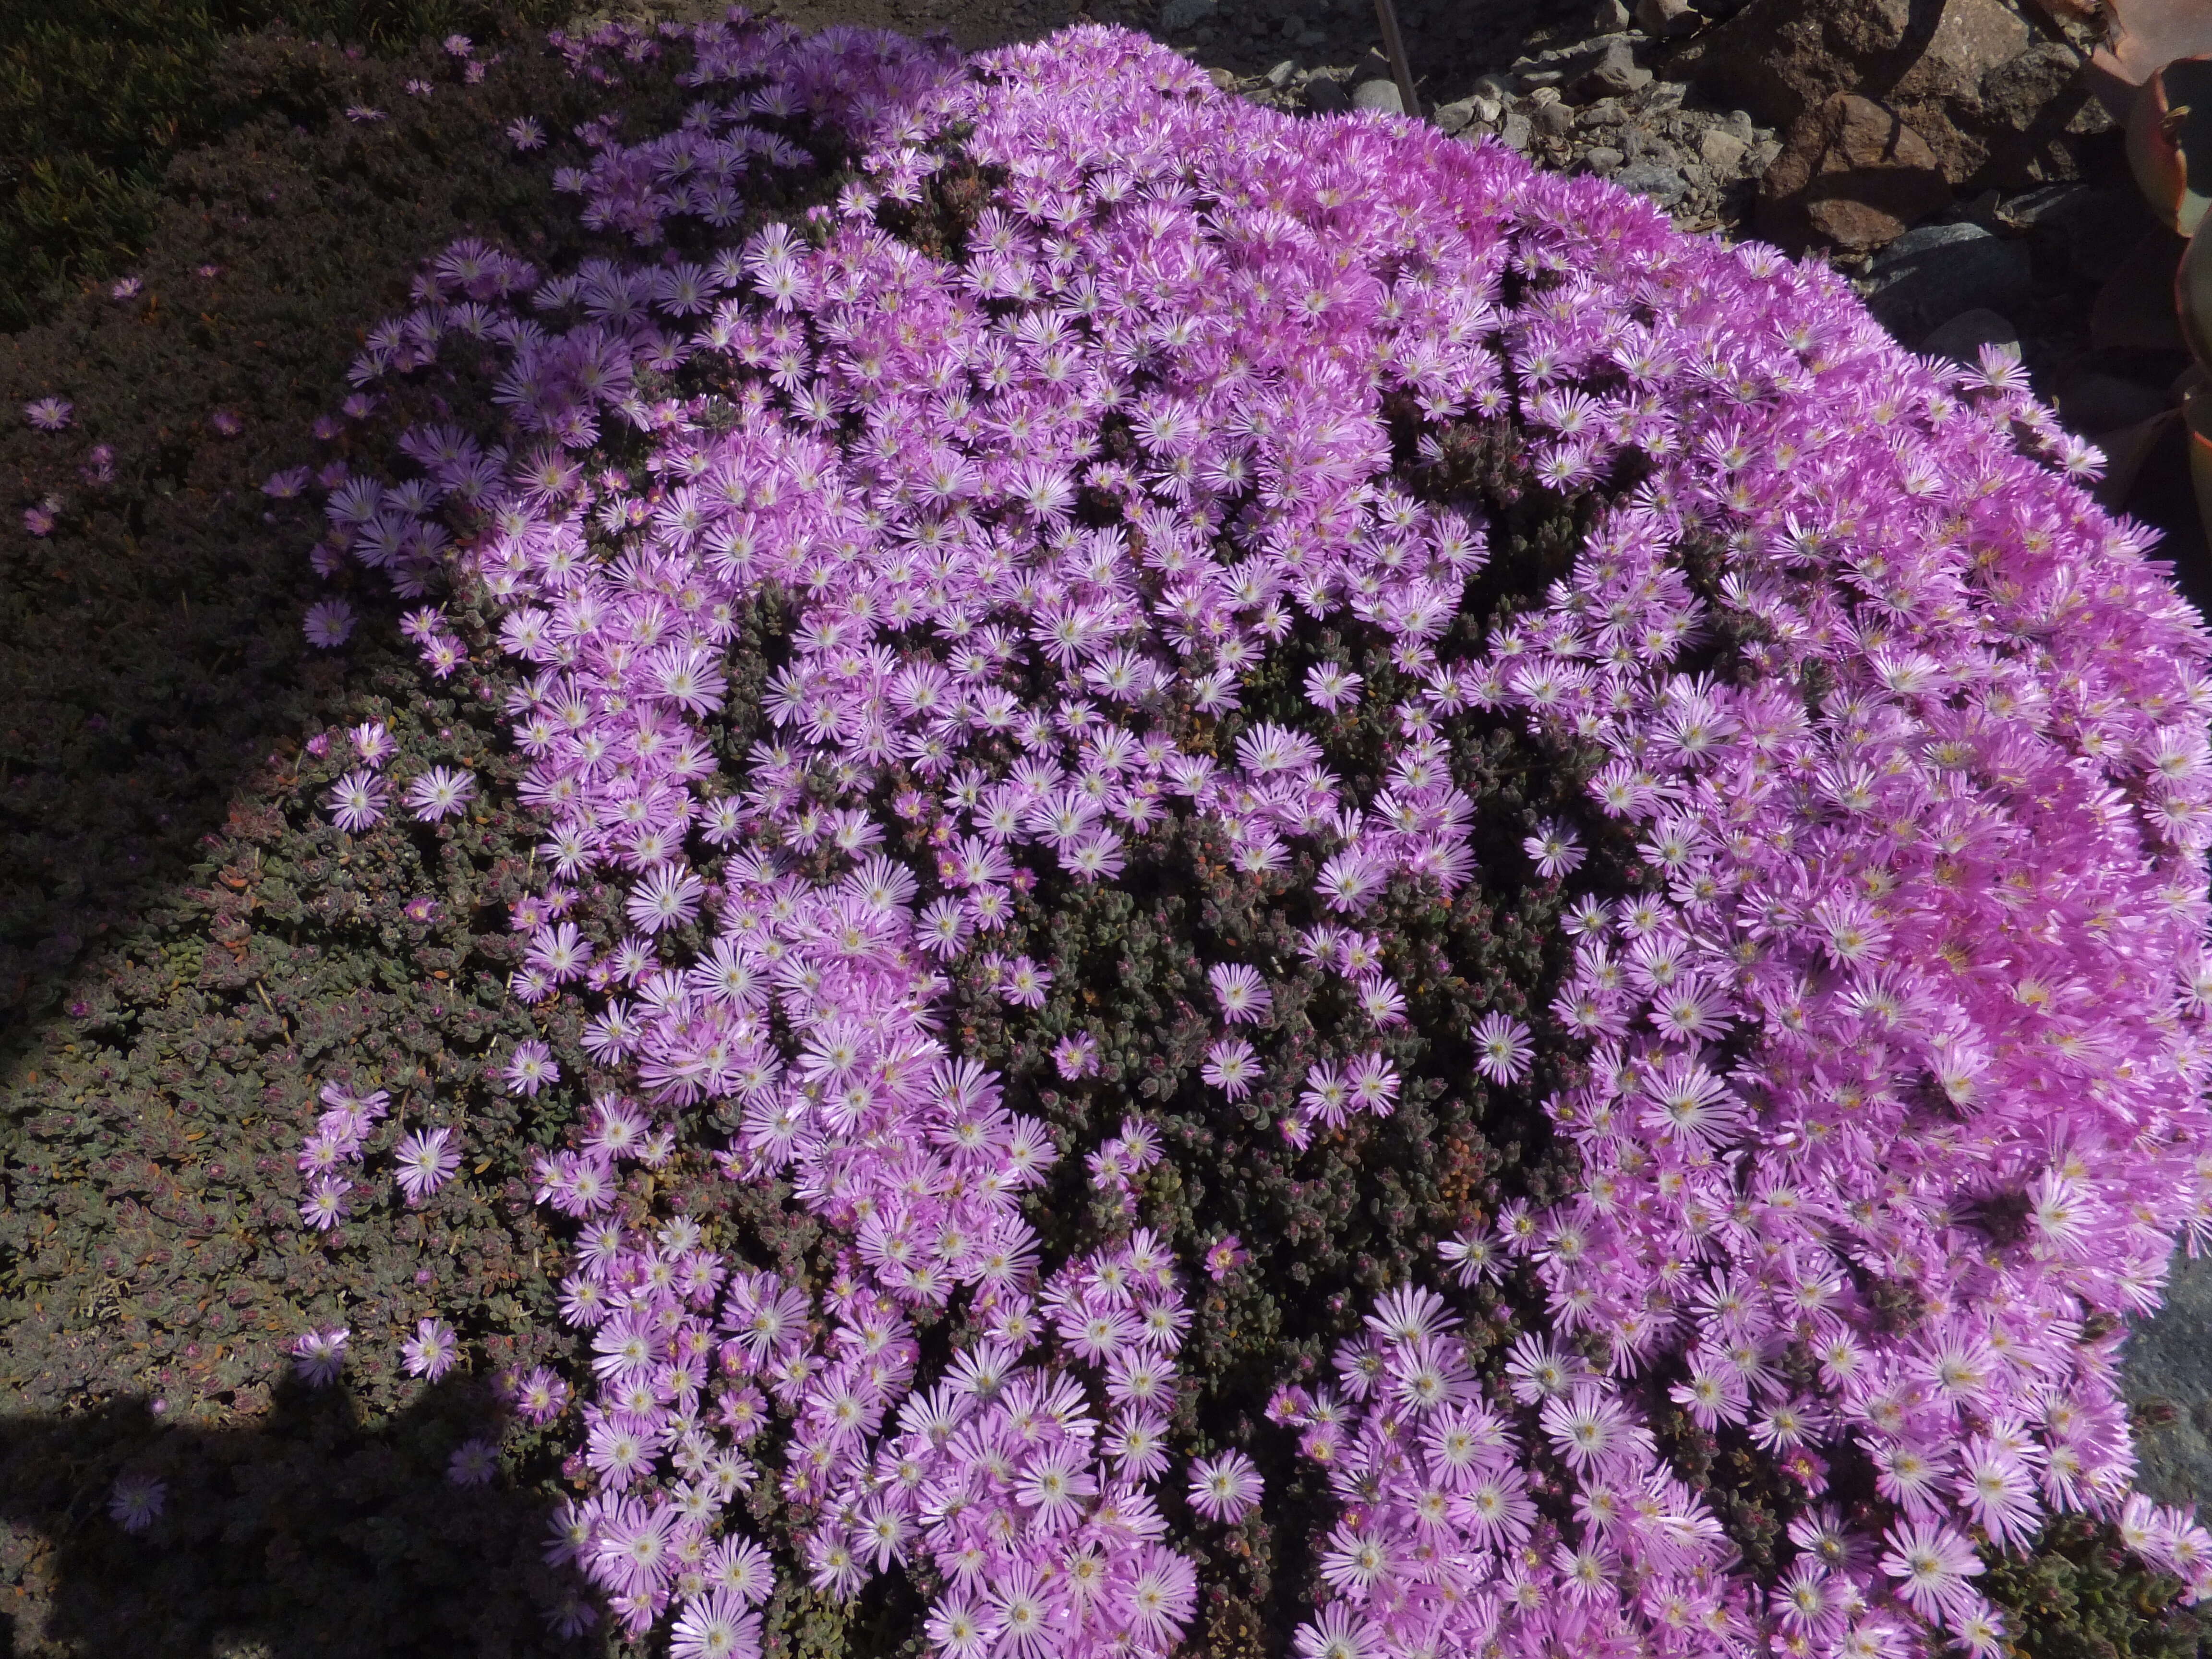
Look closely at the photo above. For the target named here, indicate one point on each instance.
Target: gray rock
(1669, 18)
(1553, 120)
(2166, 1375)
(1664, 185)
(1326, 95)
(1176, 15)
(1456, 117)
(1611, 17)
(1279, 76)
(1936, 271)
(1378, 94)
(1721, 149)
(1603, 159)
(1614, 74)
(1962, 338)
(1516, 132)
(1530, 79)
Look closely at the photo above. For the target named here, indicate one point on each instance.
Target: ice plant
(1882, 1049)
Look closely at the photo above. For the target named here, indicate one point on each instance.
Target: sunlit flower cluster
(1892, 1060)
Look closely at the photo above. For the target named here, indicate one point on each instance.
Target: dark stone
(1614, 74)
(1936, 271)
(1850, 175)
(1961, 339)
(1326, 95)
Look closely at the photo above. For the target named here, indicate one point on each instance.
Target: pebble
(1603, 159)
(1553, 120)
(1721, 149)
(1516, 132)
(1616, 72)
(1664, 185)
(1326, 95)
(1279, 76)
(1454, 117)
(1668, 18)
(1378, 94)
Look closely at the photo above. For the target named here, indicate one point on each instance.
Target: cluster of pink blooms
(1900, 1057)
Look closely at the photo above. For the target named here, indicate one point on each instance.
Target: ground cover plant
(1072, 742)
(96, 96)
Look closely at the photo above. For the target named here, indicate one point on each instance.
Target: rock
(1615, 73)
(1325, 95)
(2090, 231)
(1991, 94)
(2105, 403)
(1378, 94)
(1487, 107)
(1962, 338)
(1664, 185)
(1516, 132)
(1549, 75)
(1456, 117)
(2168, 1365)
(1852, 175)
(1605, 112)
(1176, 15)
(1552, 120)
(1938, 271)
(1610, 18)
(1669, 18)
(1721, 149)
(1603, 159)
(1279, 76)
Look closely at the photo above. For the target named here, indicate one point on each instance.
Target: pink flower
(329, 623)
(356, 801)
(320, 1355)
(1225, 1487)
(428, 1160)
(1243, 995)
(1226, 1255)
(48, 414)
(135, 1502)
(432, 1351)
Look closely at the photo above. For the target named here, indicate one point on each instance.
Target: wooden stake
(1393, 47)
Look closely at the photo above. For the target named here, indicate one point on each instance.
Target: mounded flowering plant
(1188, 730)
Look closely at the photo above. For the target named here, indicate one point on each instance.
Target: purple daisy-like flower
(439, 794)
(1501, 1048)
(432, 1351)
(428, 1160)
(320, 1355)
(530, 1068)
(49, 413)
(1076, 1056)
(475, 1463)
(1245, 997)
(325, 1206)
(1224, 1488)
(135, 1502)
(329, 623)
(356, 801)
(1231, 1066)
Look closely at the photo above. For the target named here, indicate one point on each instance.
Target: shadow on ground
(301, 1534)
